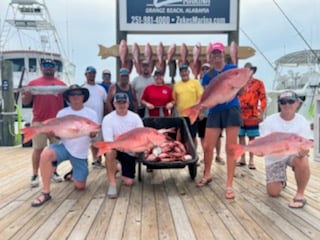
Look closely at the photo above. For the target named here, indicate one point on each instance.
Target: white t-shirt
(139, 83)
(97, 99)
(274, 123)
(114, 124)
(78, 147)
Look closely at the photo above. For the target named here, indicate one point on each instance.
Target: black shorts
(128, 164)
(193, 129)
(202, 127)
(226, 118)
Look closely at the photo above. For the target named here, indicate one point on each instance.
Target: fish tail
(102, 147)
(28, 133)
(192, 112)
(238, 150)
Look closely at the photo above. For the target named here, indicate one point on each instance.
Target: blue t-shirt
(208, 77)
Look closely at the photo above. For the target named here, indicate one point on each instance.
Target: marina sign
(178, 15)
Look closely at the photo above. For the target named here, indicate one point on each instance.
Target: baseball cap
(47, 62)
(90, 69)
(205, 65)
(158, 72)
(249, 65)
(145, 62)
(124, 71)
(288, 95)
(183, 67)
(106, 73)
(217, 46)
(121, 97)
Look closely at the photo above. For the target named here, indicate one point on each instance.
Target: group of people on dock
(120, 107)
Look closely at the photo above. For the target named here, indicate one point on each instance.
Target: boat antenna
(268, 61)
(294, 27)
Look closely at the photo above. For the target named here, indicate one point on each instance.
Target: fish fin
(192, 112)
(238, 150)
(28, 133)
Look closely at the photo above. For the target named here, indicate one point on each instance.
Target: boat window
(17, 64)
(32, 65)
(59, 65)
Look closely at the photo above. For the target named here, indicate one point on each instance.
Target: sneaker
(56, 177)
(34, 181)
(97, 164)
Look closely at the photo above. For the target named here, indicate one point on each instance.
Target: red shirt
(46, 106)
(159, 96)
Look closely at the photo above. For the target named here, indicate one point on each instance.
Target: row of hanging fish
(163, 57)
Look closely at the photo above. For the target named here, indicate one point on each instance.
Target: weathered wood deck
(165, 205)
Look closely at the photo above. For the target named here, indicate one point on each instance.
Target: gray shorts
(277, 172)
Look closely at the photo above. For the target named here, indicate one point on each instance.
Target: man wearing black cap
(75, 149)
(287, 120)
(253, 102)
(186, 93)
(44, 107)
(140, 82)
(119, 121)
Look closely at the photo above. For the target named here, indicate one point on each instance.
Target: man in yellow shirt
(187, 93)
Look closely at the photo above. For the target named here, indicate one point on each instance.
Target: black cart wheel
(193, 170)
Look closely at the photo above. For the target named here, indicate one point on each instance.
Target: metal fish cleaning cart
(181, 128)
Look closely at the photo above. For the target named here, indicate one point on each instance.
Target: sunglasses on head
(285, 101)
(75, 94)
(48, 65)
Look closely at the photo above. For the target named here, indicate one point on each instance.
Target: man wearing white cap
(106, 80)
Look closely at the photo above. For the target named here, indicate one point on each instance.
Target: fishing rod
(268, 61)
(294, 27)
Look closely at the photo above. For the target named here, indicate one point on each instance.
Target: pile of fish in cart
(188, 158)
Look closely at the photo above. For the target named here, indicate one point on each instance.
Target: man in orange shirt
(253, 103)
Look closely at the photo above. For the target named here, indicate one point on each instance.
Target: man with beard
(44, 107)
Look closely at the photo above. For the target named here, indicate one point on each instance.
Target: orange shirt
(253, 101)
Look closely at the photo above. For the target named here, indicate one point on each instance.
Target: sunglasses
(75, 94)
(121, 102)
(48, 65)
(106, 75)
(284, 101)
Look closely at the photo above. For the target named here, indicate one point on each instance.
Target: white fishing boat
(27, 36)
(297, 71)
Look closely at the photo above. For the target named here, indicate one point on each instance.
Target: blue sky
(82, 25)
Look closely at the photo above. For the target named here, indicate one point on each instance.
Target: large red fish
(276, 143)
(171, 52)
(136, 54)
(70, 126)
(135, 140)
(234, 52)
(123, 52)
(183, 54)
(220, 90)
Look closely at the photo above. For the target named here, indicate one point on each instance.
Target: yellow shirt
(186, 94)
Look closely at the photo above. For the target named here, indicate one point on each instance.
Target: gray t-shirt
(139, 83)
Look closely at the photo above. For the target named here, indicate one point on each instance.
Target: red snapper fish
(234, 52)
(136, 54)
(171, 52)
(276, 143)
(70, 126)
(123, 52)
(220, 90)
(136, 140)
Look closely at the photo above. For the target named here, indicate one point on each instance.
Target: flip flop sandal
(302, 201)
(252, 166)
(240, 164)
(204, 182)
(229, 194)
(68, 176)
(46, 197)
